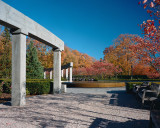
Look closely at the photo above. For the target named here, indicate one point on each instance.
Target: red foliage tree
(151, 28)
(99, 69)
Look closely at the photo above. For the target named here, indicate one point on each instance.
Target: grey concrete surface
(70, 74)
(61, 72)
(57, 71)
(18, 69)
(94, 90)
(50, 75)
(114, 109)
(67, 73)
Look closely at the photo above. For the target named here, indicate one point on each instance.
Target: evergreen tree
(5, 54)
(34, 68)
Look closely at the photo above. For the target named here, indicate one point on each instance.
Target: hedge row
(119, 78)
(33, 86)
(38, 88)
(138, 77)
(129, 85)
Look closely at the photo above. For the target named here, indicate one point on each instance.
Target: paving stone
(77, 110)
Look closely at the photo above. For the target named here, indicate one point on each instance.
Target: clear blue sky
(85, 25)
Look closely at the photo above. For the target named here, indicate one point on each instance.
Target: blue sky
(88, 26)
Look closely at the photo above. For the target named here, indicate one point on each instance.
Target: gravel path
(111, 109)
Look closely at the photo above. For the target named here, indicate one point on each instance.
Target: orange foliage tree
(120, 54)
(45, 55)
(80, 60)
(5, 53)
(145, 69)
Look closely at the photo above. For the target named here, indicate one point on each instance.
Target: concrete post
(67, 73)
(64, 88)
(57, 71)
(18, 69)
(51, 74)
(44, 74)
(62, 72)
(70, 74)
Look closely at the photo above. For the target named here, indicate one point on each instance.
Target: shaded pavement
(111, 109)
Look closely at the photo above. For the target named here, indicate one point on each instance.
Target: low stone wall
(95, 84)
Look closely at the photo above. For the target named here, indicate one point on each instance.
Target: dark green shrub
(134, 77)
(33, 86)
(7, 86)
(27, 91)
(38, 87)
(40, 80)
(63, 79)
(129, 86)
(1, 88)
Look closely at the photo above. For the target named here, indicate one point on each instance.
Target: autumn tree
(102, 70)
(45, 56)
(120, 54)
(147, 48)
(80, 71)
(44, 52)
(151, 28)
(5, 54)
(34, 68)
(79, 59)
(145, 69)
(148, 52)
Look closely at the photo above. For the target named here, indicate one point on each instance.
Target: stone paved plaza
(102, 108)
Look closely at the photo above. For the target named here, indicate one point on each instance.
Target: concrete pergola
(64, 67)
(22, 26)
(50, 70)
(70, 66)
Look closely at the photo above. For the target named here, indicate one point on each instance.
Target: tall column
(18, 68)
(44, 74)
(70, 74)
(62, 73)
(67, 73)
(57, 71)
(50, 74)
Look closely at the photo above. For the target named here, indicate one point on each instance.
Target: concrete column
(67, 73)
(70, 74)
(62, 72)
(51, 74)
(18, 69)
(44, 74)
(57, 71)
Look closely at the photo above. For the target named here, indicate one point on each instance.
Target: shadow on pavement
(104, 123)
(121, 98)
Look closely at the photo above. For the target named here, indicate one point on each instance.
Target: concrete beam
(67, 65)
(14, 19)
(18, 69)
